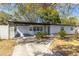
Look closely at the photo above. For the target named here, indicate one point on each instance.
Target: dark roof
(34, 23)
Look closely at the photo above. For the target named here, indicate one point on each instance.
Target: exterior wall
(26, 29)
(68, 30)
(3, 31)
(55, 29)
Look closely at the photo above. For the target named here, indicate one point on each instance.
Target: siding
(55, 29)
(25, 29)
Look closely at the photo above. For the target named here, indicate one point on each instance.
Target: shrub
(76, 35)
(40, 35)
(62, 34)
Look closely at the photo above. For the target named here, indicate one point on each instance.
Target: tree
(4, 17)
(73, 20)
(65, 9)
(27, 11)
(70, 20)
(30, 12)
(21, 12)
(65, 20)
(49, 14)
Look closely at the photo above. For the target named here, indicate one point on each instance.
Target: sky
(75, 12)
(11, 8)
(8, 8)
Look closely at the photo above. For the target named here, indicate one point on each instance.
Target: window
(71, 28)
(62, 28)
(40, 28)
(35, 29)
(30, 28)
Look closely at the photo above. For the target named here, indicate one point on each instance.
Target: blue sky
(8, 9)
(75, 12)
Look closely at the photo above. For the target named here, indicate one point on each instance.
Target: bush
(62, 34)
(40, 35)
(76, 36)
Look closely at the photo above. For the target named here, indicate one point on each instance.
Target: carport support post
(8, 31)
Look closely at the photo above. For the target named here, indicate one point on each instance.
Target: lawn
(64, 47)
(6, 47)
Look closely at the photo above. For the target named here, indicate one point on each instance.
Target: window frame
(31, 29)
(62, 28)
(71, 28)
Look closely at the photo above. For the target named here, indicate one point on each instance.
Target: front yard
(64, 47)
(61, 46)
(6, 47)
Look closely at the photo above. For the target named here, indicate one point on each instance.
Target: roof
(34, 23)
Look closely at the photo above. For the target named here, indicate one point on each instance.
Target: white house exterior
(56, 28)
(19, 29)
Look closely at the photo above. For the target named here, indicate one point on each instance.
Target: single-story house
(22, 28)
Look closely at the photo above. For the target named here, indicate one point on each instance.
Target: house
(23, 28)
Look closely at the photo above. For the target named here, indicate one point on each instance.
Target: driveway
(32, 49)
